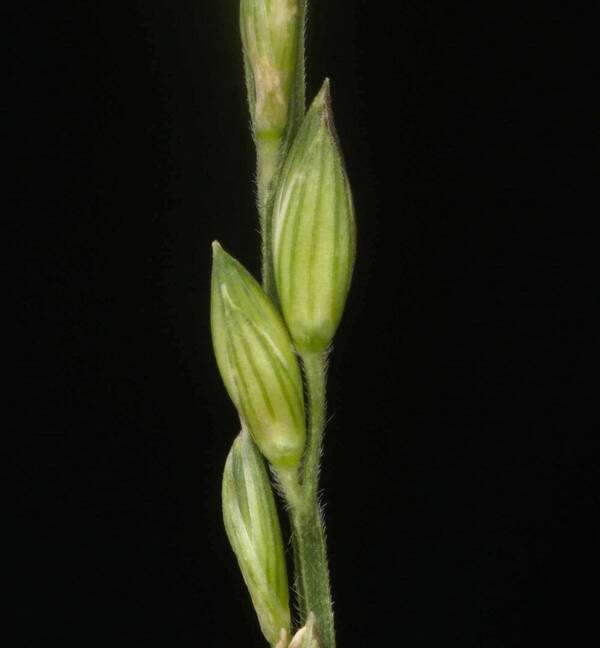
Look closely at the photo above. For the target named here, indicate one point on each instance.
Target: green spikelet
(314, 231)
(257, 361)
(253, 530)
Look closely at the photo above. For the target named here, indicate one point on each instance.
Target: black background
(461, 458)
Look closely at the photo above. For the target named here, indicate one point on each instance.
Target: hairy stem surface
(307, 526)
(315, 373)
(267, 153)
